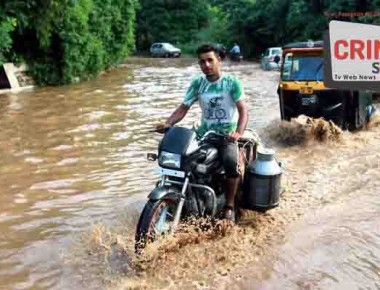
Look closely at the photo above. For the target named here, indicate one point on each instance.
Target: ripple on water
(34, 160)
(95, 115)
(63, 147)
(53, 184)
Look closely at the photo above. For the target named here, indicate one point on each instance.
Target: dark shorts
(229, 155)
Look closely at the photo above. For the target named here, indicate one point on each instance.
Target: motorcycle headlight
(168, 159)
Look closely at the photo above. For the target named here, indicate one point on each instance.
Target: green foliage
(65, 41)
(6, 27)
(216, 29)
(175, 21)
(189, 48)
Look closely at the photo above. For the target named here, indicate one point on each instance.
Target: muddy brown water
(74, 177)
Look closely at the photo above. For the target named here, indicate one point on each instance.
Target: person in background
(235, 50)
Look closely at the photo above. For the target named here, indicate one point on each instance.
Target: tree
(176, 21)
(69, 40)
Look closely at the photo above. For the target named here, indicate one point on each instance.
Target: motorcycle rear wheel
(155, 221)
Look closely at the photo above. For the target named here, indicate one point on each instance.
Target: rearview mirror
(277, 59)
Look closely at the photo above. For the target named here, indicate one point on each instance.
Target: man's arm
(243, 119)
(181, 111)
(177, 115)
(243, 116)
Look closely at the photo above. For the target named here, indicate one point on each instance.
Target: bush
(76, 39)
(6, 27)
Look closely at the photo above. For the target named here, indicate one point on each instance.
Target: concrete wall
(14, 77)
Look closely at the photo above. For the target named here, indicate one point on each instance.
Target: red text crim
(357, 49)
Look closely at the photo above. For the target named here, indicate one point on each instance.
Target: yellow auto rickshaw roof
(300, 50)
(305, 44)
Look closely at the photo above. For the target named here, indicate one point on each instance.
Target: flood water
(74, 177)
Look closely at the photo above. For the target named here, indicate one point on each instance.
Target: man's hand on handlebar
(161, 127)
(234, 136)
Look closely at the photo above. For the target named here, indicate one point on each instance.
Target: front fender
(169, 192)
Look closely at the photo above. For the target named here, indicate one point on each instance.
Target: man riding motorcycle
(221, 98)
(235, 54)
(235, 49)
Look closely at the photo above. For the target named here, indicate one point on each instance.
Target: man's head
(209, 60)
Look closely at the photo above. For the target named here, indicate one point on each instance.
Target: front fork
(181, 202)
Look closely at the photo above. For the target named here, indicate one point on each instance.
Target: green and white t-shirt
(217, 101)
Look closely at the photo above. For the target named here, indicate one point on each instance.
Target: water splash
(301, 131)
(374, 121)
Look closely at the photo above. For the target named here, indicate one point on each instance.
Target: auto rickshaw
(302, 91)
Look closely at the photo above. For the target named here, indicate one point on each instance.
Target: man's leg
(231, 190)
(229, 155)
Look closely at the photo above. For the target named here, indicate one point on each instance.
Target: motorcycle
(192, 181)
(235, 57)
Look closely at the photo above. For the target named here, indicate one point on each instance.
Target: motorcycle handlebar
(159, 130)
(214, 134)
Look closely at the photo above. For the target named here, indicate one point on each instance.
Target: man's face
(209, 63)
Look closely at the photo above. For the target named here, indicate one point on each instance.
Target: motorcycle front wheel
(155, 220)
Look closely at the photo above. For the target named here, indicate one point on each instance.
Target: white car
(267, 59)
(163, 49)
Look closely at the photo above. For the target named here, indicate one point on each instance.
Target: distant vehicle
(235, 57)
(287, 62)
(302, 90)
(234, 53)
(164, 49)
(268, 58)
